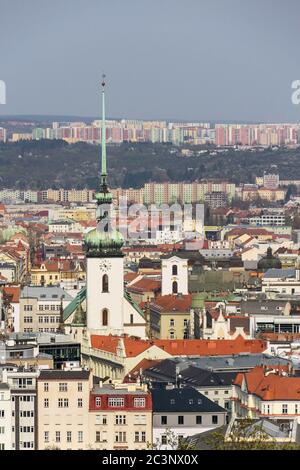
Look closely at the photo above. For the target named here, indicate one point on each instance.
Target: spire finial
(103, 146)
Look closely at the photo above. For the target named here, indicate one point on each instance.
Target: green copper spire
(105, 240)
(103, 146)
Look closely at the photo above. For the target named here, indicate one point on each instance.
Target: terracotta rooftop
(197, 347)
(173, 303)
(145, 285)
(13, 292)
(129, 277)
(271, 386)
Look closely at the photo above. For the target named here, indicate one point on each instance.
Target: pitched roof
(173, 303)
(200, 347)
(133, 347)
(180, 347)
(144, 285)
(279, 273)
(187, 400)
(72, 306)
(51, 374)
(13, 292)
(129, 277)
(272, 386)
(45, 293)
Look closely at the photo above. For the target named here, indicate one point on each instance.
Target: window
(116, 402)
(164, 420)
(120, 436)
(101, 419)
(105, 317)
(174, 270)
(105, 283)
(164, 439)
(57, 436)
(140, 436)
(172, 323)
(140, 419)
(139, 402)
(175, 287)
(27, 308)
(63, 387)
(63, 403)
(80, 436)
(69, 436)
(2, 429)
(284, 409)
(79, 402)
(296, 409)
(2, 414)
(120, 419)
(172, 335)
(98, 402)
(46, 387)
(27, 319)
(98, 439)
(46, 436)
(186, 335)
(214, 419)
(198, 419)
(46, 402)
(180, 419)
(185, 322)
(131, 319)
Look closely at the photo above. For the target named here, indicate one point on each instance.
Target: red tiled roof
(181, 347)
(173, 303)
(129, 277)
(133, 347)
(272, 386)
(198, 347)
(145, 285)
(13, 292)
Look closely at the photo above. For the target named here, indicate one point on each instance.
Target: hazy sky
(184, 59)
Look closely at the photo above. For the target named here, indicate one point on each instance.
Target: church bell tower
(105, 278)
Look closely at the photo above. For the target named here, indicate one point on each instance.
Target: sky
(197, 60)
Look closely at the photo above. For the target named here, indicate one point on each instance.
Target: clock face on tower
(104, 266)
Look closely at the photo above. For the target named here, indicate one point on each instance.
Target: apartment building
(5, 418)
(120, 417)
(21, 423)
(63, 400)
(182, 412)
(52, 272)
(266, 392)
(40, 308)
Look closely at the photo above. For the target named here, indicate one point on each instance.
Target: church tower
(105, 278)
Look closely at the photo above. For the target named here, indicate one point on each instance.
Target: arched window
(175, 287)
(105, 283)
(104, 317)
(174, 270)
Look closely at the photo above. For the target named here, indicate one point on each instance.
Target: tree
(245, 435)
(173, 442)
